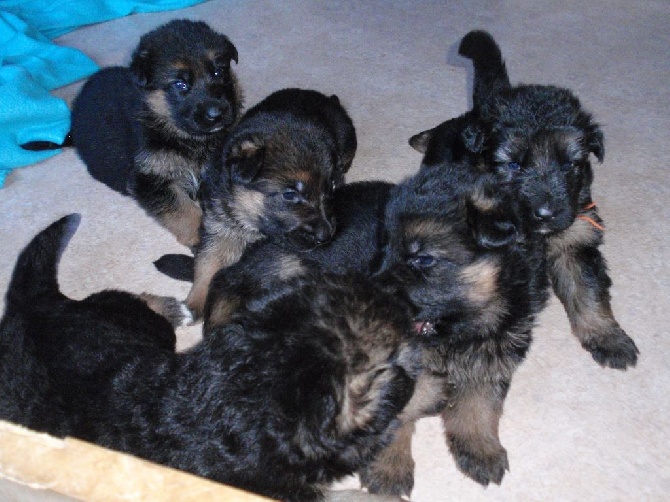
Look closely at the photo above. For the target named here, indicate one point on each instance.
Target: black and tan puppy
(280, 401)
(147, 130)
(476, 296)
(537, 139)
(445, 239)
(274, 176)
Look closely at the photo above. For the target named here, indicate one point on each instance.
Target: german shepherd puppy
(280, 401)
(147, 130)
(358, 209)
(537, 139)
(274, 176)
(447, 241)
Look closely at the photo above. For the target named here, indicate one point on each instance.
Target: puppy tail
(177, 266)
(490, 72)
(36, 270)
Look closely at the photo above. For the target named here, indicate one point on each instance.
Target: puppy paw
(614, 350)
(398, 481)
(483, 467)
(176, 312)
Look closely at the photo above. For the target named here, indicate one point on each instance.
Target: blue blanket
(31, 65)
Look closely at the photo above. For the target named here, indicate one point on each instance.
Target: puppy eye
(180, 85)
(291, 196)
(423, 261)
(220, 67)
(568, 166)
(513, 166)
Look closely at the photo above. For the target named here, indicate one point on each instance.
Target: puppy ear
(473, 138)
(232, 51)
(420, 141)
(597, 143)
(244, 159)
(140, 67)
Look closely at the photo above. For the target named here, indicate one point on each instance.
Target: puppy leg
(579, 277)
(214, 253)
(183, 221)
(392, 471)
(219, 308)
(170, 308)
(471, 426)
(169, 201)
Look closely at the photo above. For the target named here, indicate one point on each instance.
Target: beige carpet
(573, 430)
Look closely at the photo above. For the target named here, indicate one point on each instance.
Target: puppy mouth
(424, 328)
(544, 230)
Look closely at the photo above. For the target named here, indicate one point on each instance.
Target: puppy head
(436, 256)
(184, 69)
(540, 144)
(282, 182)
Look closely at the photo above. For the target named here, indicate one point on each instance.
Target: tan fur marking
(222, 310)
(482, 278)
(184, 221)
(248, 206)
(208, 261)
(580, 233)
(590, 317)
(482, 201)
(474, 418)
(157, 102)
(304, 176)
(394, 462)
(428, 395)
(361, 397)
(181, 65)
(166, 306)
(289, 267)
(424, 228)
(168, 164)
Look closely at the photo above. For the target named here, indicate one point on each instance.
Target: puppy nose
(214, 113)
(322, 234)
(321, 231)
(544, 213)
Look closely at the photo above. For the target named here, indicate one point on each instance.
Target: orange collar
(593, 222)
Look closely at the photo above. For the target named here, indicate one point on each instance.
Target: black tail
(490, 73)
(176, 266)
(36, 270)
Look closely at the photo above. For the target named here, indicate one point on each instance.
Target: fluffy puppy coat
(280, 401)
(358, 209)
(274, 176)
(147, 130)
(533, 144)
(537, 139)
(445, 240)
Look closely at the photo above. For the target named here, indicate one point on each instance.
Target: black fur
(358, 209)
(539, 138)
(481, 347)
(146, 130)
(449, 244)
(274, 176)
(280, 401)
